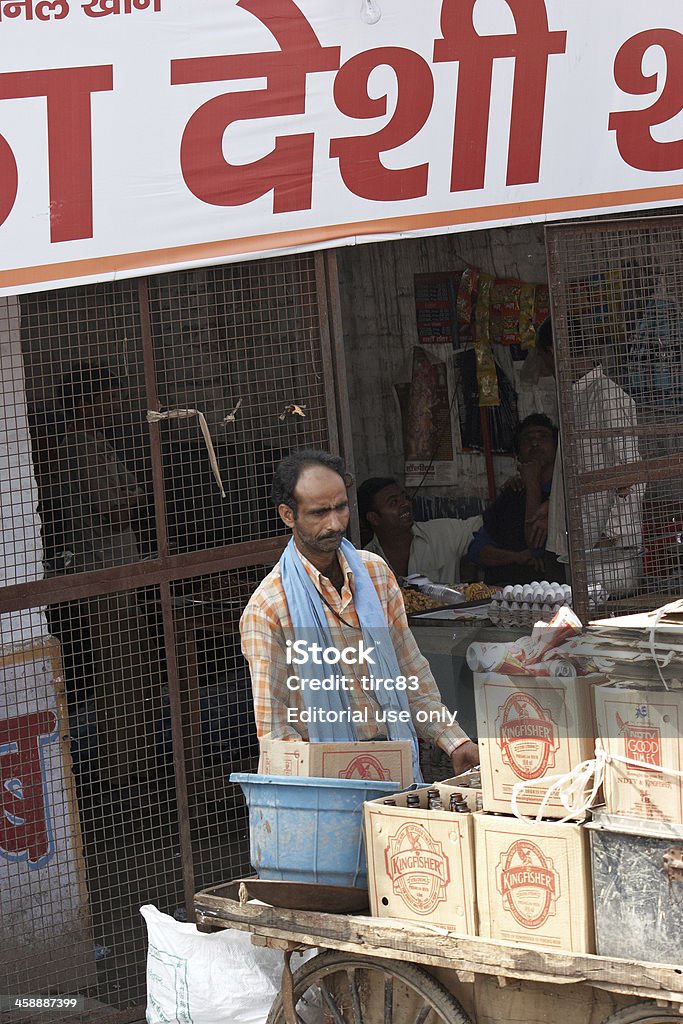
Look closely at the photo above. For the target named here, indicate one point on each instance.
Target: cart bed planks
(219, 907)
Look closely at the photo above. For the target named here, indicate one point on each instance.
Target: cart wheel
(340, 988)
(644, 1013)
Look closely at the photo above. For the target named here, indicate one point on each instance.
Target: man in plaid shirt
(309, 491)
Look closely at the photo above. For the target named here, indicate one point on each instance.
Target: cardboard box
(533, 883)
(464, 784)
(645, 725)
(529, 727)
(385, 761)
(421, 864)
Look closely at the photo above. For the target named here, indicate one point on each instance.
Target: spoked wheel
(644, 1013)
(340, 988)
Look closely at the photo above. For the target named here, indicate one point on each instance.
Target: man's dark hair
(536, 419)
(544, 336)
(84, 383)
(367, 491)
(290, 469)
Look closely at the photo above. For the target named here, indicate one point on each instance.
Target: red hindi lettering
(24, 826)
(17, 9)
(44, 10)
(633, 127)
(48, 9)
(106, 7)
(360, 165)
(103, 8)
(288, 169)
(531, 45)
(69, 138)
(9, 176)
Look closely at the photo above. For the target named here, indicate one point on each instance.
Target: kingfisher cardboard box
(644, 725)
(530, 727)
(421, 864)
(468, 785)
(386, 761)
(533, 883)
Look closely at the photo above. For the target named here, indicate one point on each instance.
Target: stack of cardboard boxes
(533, 880)
(637, 838)
(559, 882)
(488, 872)
(491, 873)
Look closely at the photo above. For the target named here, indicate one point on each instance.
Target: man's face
(322, 514)
(391, 511)
(537, 444)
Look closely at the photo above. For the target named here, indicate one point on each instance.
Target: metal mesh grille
(218, 336)
(99, 807)
(618, 327)
(147, 570)
(86, 395)
(219, 732)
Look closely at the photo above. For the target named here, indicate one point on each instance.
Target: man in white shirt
(606, 416)
(432, 549)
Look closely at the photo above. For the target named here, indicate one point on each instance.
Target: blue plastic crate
(307, 829)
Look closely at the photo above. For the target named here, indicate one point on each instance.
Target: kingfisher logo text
(418, 868)
(527, 736)
(529, 884)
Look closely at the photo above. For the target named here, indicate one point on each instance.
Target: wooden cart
(378, 971)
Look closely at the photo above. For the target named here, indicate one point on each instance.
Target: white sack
(195, 978)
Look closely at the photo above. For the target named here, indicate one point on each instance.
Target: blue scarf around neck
(307, 612)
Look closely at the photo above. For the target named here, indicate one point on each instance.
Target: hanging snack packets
(467, 293)
(487, 377)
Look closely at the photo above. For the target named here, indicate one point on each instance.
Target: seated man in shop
(433, 549)
(510, 546)
(325, 596)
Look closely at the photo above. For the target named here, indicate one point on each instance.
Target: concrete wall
(378, 313)
(21, 555)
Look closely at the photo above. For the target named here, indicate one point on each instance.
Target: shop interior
(441, 337)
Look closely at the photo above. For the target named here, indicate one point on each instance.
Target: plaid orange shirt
(266, 626)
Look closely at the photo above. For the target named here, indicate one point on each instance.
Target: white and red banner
(138, 135)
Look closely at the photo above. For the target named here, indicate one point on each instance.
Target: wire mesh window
(92, 801)
(86, 396)
(219, 732)
(218, 336)
(123, 666)
(618, 329)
